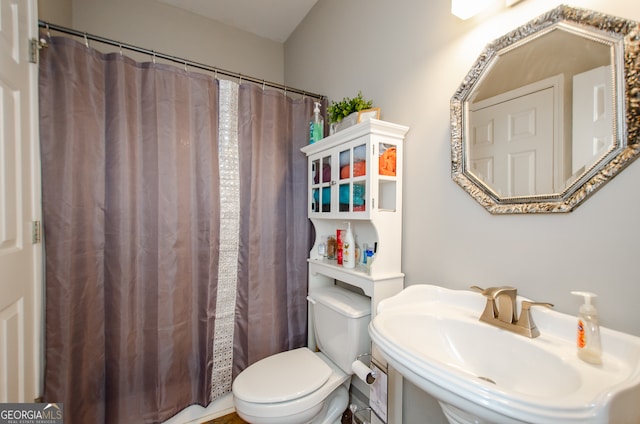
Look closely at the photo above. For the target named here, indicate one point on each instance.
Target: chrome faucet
(500, 310)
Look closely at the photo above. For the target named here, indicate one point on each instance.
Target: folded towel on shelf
(359, 169)
(326, 175)
(326, 195)
(358, 195)
(387, 162)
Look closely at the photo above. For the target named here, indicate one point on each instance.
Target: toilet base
(334, 407)
(328, 412)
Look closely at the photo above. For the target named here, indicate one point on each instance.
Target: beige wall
(157, 26)
(55, 11)
(410, 57)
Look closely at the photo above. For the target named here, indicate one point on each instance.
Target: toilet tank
(340, 320)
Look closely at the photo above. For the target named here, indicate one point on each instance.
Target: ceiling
(272, 19)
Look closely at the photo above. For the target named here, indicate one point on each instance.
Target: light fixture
(464, 9)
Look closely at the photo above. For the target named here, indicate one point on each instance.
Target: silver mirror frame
(627, 104)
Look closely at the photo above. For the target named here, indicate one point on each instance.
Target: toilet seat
(308, 404)
(282, 377)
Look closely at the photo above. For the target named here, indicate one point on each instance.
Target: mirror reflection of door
(592, 117)
(509, 140)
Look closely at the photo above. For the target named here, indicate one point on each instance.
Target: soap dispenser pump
(588, 335)
(316, 125)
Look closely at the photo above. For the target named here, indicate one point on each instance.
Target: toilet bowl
(305, 387)
(294, 387)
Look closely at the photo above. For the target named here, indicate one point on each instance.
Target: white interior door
(20, 254)
(592, 117)
(512, 144)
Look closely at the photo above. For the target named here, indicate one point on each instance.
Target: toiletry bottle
(339, 245)
(322, 248)
(367, 253)
(316, 125)
(331, 248)
(348, 249)
(588, 336)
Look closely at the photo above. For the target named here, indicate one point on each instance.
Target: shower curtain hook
(86, 40)
(120, 45)
(215, 73)
(263, 84)
(153, 58)
(185, 66)
(48, 30)
(239, 79)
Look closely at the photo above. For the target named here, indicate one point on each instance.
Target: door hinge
(36, 232)
(34, 47)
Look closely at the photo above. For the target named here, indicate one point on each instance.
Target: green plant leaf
(340, 110)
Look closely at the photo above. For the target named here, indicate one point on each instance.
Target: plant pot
(346, 122)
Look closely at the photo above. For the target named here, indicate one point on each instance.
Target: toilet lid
(282, 377)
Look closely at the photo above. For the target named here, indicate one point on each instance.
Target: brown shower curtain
(132, 220)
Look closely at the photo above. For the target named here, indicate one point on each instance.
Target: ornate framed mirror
(549, 113)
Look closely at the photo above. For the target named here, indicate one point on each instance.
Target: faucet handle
(526, 320)
(527, 305)
(494, 292)
(490, 310)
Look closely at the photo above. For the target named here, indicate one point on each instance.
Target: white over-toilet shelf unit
(355, 176)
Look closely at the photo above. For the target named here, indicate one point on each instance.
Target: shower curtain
(175, 232)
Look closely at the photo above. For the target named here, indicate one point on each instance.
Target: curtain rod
(154, 54)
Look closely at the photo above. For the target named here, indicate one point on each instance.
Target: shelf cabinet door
(322, 184)
(340, 182)
(353, 181)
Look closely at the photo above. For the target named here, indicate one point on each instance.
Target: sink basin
(483, 374)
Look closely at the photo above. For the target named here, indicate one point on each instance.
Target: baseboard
(196, 414)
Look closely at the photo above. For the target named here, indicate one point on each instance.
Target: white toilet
(301, 386)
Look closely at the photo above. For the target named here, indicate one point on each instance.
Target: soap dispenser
(348, 249)
(588, 335)
(316, 125)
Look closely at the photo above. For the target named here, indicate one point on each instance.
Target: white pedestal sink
(483, 374)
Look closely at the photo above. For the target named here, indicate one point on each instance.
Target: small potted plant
(344, 113)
